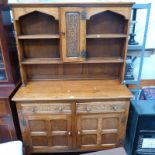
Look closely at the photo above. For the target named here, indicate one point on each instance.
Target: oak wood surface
(29, 61)
(65, 3)
(106, 36)
(71, 90)
(38, 36)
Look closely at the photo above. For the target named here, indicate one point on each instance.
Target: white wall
(148, 71)
(140, 26)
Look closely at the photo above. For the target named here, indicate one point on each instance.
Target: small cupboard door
(48, 132)
(73, 34)
(99, 131)
(46, 127)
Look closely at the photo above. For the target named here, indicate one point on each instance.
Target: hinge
(123, 120)
(121, 142)
(83, 15)
(83, 54)
(23, 121)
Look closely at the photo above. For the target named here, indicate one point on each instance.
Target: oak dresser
(72, 63)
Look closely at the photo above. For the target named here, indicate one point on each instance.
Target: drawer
(46, 108)
(4, 108)
(101, 107)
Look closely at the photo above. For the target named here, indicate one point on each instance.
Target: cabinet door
(99, 131)
(7, 130)
(46, 133)
(73, 35)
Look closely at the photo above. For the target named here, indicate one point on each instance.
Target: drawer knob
(33, 109)
(79, 133)
(69, 133)
(115, 108)
(88, 109)
(60, 109)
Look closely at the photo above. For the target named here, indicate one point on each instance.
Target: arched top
(122, 12)
(20, 12)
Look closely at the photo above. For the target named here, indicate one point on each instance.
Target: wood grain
(71, 90)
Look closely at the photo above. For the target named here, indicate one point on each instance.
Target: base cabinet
(54, 127)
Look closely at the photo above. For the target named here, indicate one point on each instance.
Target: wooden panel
(116, 11)
(73, 71)
(19, 12)
(101, 107)
(4, 108)
(72, 34)
(41, 48)
(105, 47)
(87, 131)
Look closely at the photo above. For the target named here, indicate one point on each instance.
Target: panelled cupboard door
(6, 129)
(73, 34)
(48, 132)
(98, 131)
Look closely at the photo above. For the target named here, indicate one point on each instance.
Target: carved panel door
(73, 34)
(47, 132)
(99, 131)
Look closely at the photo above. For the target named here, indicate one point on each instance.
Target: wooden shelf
(106, 36)
(39, 36)
(41, 61)
(31, 61)
(104, 60)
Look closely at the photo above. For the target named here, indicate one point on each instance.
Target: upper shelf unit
(72, 39)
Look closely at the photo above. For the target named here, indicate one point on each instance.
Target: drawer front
(4, 109)
(46, 108)
(101, 107)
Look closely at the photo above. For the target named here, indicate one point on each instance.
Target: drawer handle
(115, 108)
(88, 109)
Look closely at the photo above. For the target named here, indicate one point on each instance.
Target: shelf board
(39, 36)
(30, 61)
(104, 60)
(106, 36)
(41, 61)
(2, 68)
